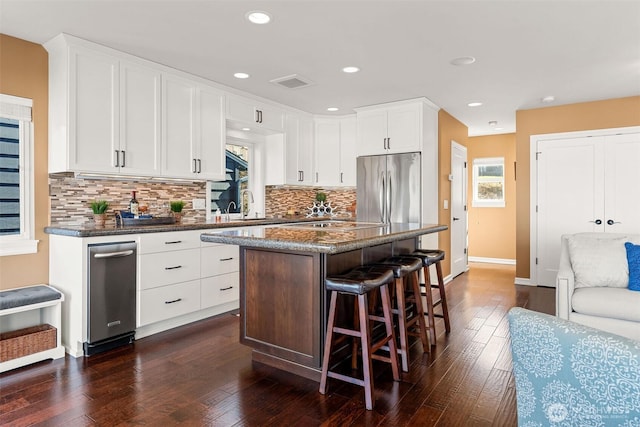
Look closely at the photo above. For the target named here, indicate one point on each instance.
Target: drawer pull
(226, 289)
(173, 243)
(175, 300)
(173, 268)
(226, 259)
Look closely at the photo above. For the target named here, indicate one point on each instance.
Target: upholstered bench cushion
(615, 303)
(26, 296)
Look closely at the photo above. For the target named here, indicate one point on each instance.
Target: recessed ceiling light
(474, 104)
(351, 69)
(258, 17)
(463, 60)
(246, 129)
(498, 128)
(241, 75)
(548, 99)
(332, 109)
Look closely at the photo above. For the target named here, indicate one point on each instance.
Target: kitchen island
(283, 302)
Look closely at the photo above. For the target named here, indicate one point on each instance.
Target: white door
(458, 255)
(583, 184)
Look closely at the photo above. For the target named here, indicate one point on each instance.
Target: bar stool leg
(422, 324)
(388, 323)
(443, 298)
(402, 323)
(328, 342)
(430, 314)
(365, 337)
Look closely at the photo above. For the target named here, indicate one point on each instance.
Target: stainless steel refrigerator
(389, 188)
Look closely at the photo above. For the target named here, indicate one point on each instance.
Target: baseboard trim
(524, 281)
(492, 260)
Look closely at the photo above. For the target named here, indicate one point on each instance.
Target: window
(226, 194)
(16, 177)
(488, 182)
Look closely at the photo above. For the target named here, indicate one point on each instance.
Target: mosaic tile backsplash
(70, 197)
(282, 200)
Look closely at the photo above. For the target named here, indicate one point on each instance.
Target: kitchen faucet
(228, 218)
(249, 200)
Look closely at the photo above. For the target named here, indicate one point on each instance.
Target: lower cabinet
(169, 301)
(219, 289)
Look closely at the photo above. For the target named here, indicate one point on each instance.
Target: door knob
(611, 222)
(597, 221)
(456, 219)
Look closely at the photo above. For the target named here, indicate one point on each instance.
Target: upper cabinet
(193, 132)
(335, 137)
(391, 128)
(255, 115)
(103, 112)
(299, 150)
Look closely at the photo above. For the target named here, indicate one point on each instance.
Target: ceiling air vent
(293, 81)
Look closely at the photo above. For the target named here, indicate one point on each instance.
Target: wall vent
(294, 81)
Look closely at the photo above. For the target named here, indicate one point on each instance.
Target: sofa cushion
(616, 303)
(633, 260)
(599, 261)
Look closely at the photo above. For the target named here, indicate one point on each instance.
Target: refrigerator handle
(389, 197)
(382, 201)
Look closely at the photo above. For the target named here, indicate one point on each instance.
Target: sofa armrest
(565, 282)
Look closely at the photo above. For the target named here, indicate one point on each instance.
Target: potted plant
(99, 209)
(321, 197)
(176, 209)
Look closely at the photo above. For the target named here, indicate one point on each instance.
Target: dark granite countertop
(320, 239)
(84, 230)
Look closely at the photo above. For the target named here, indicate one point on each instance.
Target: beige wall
(449, 129)
(24, 72)
(492, 231)
(611, 113)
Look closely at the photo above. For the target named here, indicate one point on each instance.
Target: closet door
(622, 183)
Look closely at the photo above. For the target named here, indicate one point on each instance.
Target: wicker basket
(27, 341)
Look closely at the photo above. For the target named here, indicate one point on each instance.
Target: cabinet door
(139, 120)
(211, 155)
(241, 110)
(622, 175)
(327, 148)
(403, 129)
(305, 150)
(178, 158)
(372, 131)
(270, 118)
(93, 112)
(299, 150)
(220, 289)
(348, 152)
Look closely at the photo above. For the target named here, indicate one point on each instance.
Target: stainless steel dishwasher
(111, 311)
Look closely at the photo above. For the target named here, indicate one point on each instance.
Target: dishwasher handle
(113, 254)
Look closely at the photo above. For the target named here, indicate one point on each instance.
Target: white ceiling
(574, 50)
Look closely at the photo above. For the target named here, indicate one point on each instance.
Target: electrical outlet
(199, 204)
(445, 204)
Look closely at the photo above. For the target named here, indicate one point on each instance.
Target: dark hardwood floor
(200, 375)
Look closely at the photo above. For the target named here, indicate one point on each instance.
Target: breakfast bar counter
(283, 301)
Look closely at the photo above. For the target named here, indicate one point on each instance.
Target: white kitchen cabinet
(254, 115)
(103, 112)
(166, 302)
(165, 268)
(390, 128)
(299, 150)
(193, 134)
(220, 283)
(335, 154)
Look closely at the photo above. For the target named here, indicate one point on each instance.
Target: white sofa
(592, 283)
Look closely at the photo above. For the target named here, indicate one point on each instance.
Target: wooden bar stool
(430, 257)
(407, 267)
(359, 282)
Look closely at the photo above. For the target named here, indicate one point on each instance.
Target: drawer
(169, 241)
(165, 268)
(169, 301)
(220, 259)
(220, 289)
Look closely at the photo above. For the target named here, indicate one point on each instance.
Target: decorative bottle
(134, 205)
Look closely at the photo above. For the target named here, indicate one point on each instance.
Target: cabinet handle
(173, 268)
(317, 176)
(260, 115)
(175, 300)
(389, 143)
(257, 116)
(123, 159)
(117, 158)
(226, 259)
(195, 167)
(301, 176)
(226, 289)
(611, 222)
(597, 221)
(199, 165)
(173, 242)
(341, 177)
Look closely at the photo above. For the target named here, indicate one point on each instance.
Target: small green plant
(176, 205)
(321, 197)
(99, 206)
